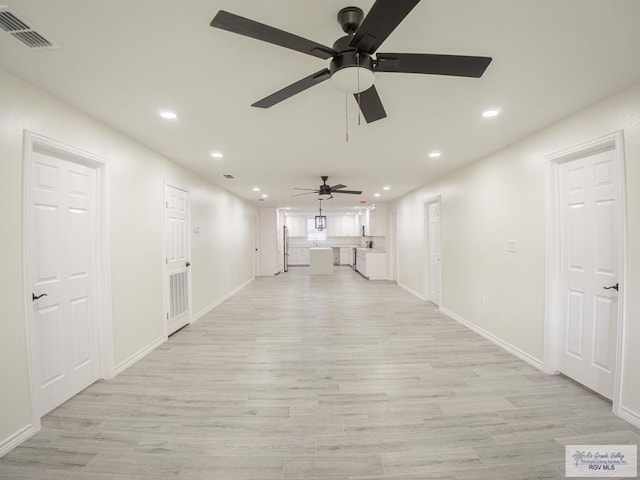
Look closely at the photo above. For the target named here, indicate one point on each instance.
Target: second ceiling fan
(352, 65)
(327, 191)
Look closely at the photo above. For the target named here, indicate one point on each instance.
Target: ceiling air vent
(229, 176)
(21, 30)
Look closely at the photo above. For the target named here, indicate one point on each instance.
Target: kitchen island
(321, 260)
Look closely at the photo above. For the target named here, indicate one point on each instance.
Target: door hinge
(166, 260)
(167, 316)
(166, 204)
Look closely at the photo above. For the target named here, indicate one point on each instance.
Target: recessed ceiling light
(256, 189)
(491, 113)
(264, 195)
(434, 154)
(168, 115)
(387, 187)
(216, 155)
(376, 194)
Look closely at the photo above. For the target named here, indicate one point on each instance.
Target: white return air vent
(23, 31)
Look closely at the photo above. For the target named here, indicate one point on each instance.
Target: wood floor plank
(335, 378)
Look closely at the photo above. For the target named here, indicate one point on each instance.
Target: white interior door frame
(615, 142)
(33, 141)
(427, 243)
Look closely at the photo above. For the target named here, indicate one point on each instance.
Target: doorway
(584, 326)
(256, 243)
(432, 257)
(66, 271)
(393, 247)
(177, 259)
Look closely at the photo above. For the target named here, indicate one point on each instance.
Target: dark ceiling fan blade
(293, 89)
(310, 189)
(370, 104)
(260, 31)
(456, 65)
(300, 194)
(382, 19)
(352, 192)
(335, 187)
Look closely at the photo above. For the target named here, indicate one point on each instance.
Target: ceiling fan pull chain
(346, 116)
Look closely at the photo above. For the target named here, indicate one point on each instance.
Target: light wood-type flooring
(333, 378)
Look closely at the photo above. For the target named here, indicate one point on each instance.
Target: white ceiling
(123, 61)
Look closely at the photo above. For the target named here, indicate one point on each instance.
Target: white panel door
(589, 222)
(177, 258)
(434, 252)
(62, 258)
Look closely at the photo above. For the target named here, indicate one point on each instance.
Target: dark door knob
(188, 264)
(34, 298)
(612, 287)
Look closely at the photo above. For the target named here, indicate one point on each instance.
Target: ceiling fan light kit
(350, 74)
(352, 68)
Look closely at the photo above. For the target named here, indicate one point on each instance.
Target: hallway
(334, 377)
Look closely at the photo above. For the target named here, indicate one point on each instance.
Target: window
(312, 233)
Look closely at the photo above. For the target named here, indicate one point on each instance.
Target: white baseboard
(122, 366)
(630, 416)
(412, 291)
(16, 439)
(213, 305)
(515, 351)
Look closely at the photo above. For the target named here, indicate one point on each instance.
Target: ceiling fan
(327, 191)
(352, 65)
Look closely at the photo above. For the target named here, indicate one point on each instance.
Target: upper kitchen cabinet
(296, 225)
(334, 226)
(342, 226)
(376, 220)
(337, 226)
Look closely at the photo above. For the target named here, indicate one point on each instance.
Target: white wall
(268, 249)
(501, 198)
(222, 253)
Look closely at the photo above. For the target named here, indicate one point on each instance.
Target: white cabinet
(350, 226)
(371, 264)
(361, 261)
(346, 256)
(296, 225)
(376, 221)
(342, 226)
(334, 226)
(361, 222)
